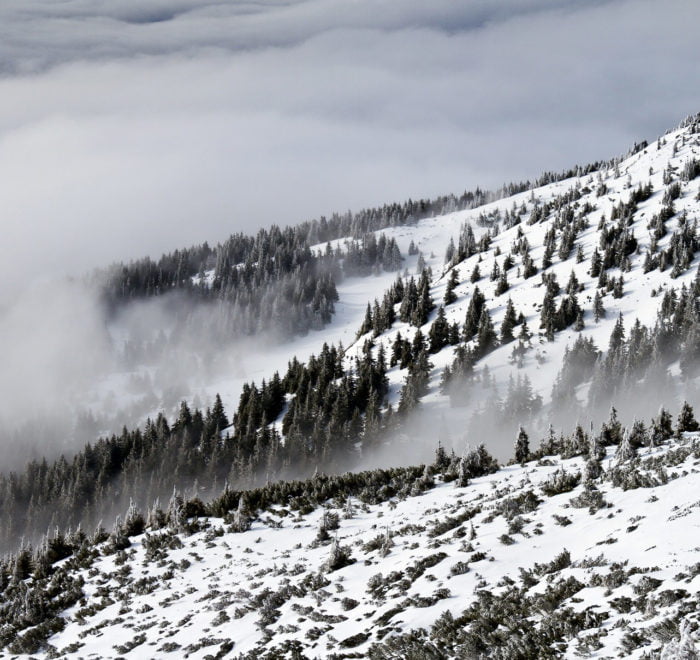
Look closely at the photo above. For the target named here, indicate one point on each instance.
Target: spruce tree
(598, 308)
(438, 336)
(508, 324)
(625, 451)
(618, 290)
(662, 427)
(452, 283)
(522, 447)
(547, 315)
(686, 420)
(502, 285)
(486, 339)
(471, 322)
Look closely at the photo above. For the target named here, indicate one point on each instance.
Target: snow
(652, 529)
(258, 359)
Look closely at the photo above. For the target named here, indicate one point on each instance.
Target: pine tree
(502, 285)
(486, 339)
(338, 558)
(625, 452)
(453, 334)
(596, 263)
(508, 324)
(418, 343)
(240, 521)
(592, 470)
(450, 252)
(367, 324)
(617, 337)
(452, 283)
(598, 308)
(618, 290)
(438, 335)
(638, 434)
(686, 420)
(547, 315)
(662, 427)
(219, 419)
(611, 433)
(462, 480)
(529, 268)
(522, 447)
(476, 305)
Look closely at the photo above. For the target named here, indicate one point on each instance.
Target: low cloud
(128, 129)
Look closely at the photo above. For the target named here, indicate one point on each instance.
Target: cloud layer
(129, 128)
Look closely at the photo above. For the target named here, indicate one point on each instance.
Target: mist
(73, 371)
(128, 130)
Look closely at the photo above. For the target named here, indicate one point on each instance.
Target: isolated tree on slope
(471, 322)
(510, 320)
(522, 446)
(462, 474)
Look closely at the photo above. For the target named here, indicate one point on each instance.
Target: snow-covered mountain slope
(591, 200)
(536, 560)
(668, 167)
(367, 564)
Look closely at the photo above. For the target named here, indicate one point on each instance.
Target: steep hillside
(582, 551)
(618, 239)
(542, 291)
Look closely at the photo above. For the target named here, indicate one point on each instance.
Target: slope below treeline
(583, 550)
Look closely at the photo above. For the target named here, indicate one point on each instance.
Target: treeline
(273, 282)
(309, 419)
(274, 279)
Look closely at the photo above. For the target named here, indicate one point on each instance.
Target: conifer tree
(598, 308)
(486, 339)
(452, 283)
(547, 315)
(625, 452)
(638, 434)
(462, 480)
(596, 263)
(686, 420)
(618, 290)
(662, 427)
(476, 305)
(438, 335)
(508, 324)
(522, 447)
(502, 285)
